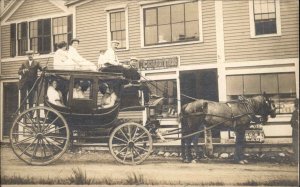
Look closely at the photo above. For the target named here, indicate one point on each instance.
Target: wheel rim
(130, 143)
(39, 136)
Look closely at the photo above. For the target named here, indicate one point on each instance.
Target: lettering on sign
(158, 63)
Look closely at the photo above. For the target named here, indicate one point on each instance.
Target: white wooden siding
(34, 8)
(91, 29)
(5, 41)
(240, 47)
(10, 68)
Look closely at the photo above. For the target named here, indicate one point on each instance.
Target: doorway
(10, 105)
(200, 84)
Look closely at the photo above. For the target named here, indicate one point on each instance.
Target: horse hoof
(245, 161)
(187, 161)
(241, 162)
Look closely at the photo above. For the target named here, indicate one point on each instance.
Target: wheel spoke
(141, 136)
(136, 129)
(132, 159)
(124, 134)
(25, 140)
(43, 147)
(34, 150)
(26, 127)
(55, 130)
(51, 152)
(49, 125)
(59, 143)
(46, 116)
(140, 148)
(129, 132)
(119, 145)
(28, 147)
(53, 144)
(33, 124)
(57, 137)
(120, 139)
(138, 154)
(121, 150)
(125, 155)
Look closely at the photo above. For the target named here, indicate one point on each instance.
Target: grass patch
(270, 183)
(79, 177)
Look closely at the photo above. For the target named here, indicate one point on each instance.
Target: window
(22, 38)
(266, 17)
(118, 28)
(280, 87)
(168, 90)
(36, 35)
(171, 23)
(40, 36)
(13, 40)
(82, 89)
(62, 30)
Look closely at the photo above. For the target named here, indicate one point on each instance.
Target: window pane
(191, 11)
(64, 21)
(112, 18)
(178, 32)
(46, 44)
(164, 33)
(251, 84)
(257, 8)
(151, 35)
(113, 26)
(123, 25)
(234, 85)
(54, 22)
(177, 14)
(118, 25)
(287, 83)
(192, 30)
(264, 6)
(47, 27)
(59, 21)
(54, 30)
(269, 83)
(164, 15)
(150, 16)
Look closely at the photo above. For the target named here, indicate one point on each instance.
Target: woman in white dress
(54, 95)
(61, 60)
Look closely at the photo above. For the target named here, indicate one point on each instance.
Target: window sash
(118, 27)
(172, 25)
(265, 17)
(22, 38)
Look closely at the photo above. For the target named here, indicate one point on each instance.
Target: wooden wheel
(39, 136)
(130, 143)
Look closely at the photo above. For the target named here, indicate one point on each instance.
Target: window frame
(28, 37)
(123, 8)
(252, 21)
(156, 5)
(282, 100)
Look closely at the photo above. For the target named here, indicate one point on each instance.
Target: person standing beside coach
(27, 77)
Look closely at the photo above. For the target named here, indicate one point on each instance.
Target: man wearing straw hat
(27, 77)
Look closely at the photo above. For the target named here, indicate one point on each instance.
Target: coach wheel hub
(39, 136)
(131, 144)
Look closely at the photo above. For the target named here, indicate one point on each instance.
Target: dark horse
(235, 114)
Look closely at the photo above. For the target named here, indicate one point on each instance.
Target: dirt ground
(101, 164)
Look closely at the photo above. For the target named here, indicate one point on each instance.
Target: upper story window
(22, 38)
(40, 36)
(266, 17)
(62, 30)
(37, 35)
(172, 23)
(117, 16)
(118, 28)
(279, 86)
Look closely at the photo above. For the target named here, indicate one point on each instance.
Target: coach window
(281, 87)
(171, 23)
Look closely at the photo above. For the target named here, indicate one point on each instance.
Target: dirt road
(101, 165)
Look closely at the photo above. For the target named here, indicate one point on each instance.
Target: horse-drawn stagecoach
(40, 135)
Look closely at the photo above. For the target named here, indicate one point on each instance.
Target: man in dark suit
(28, 75)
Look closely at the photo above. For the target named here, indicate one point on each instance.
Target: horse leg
(188, 150)
(239, 146)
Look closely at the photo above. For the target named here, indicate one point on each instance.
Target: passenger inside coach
(54, 95)
(109, 96)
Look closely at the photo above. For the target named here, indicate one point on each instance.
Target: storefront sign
(158, 63)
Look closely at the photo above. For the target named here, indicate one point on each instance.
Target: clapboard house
(213, 50)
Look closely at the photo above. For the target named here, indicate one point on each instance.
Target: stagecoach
(42, 134)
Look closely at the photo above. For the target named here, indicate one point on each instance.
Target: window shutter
(13, 40)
